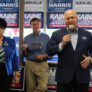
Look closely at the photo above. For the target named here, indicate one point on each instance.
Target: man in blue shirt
(34, 48)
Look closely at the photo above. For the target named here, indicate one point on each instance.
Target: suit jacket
(69, 59)
(11, 55)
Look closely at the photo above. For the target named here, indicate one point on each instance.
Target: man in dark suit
(74, 48)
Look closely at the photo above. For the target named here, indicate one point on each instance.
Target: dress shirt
(74, 38)
(36, 45)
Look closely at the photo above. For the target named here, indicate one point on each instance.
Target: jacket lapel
(79, 39)
(69, 43)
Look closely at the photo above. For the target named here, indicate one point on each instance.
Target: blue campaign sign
(12, 19)
(58, 5)
(51, 79)
(9, 5)
(29, 15)
(55, 20)
(20, 85)
(85, 20)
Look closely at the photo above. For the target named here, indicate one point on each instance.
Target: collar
(76, 31)
(37, 34)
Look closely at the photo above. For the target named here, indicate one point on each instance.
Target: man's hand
(66, 39)
(85, 62)
(23, 47)
(41, 57)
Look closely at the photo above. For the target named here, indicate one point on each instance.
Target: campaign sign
(29, 15)
(58, 5)
(85, 19)
(9, 5)
(51, 81)
(12, 19)
(55, 20)
(34, 5)
(20, 85)
(82, 5)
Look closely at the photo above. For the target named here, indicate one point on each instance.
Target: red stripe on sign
(90, 89)
(18, 85)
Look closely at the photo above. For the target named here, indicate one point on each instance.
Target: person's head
(71, 18)
(3, 25)
(35, 24)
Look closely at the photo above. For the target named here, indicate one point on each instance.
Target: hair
(34, 19)
(3, 23)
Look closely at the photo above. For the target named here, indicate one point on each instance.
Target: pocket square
(84, 38)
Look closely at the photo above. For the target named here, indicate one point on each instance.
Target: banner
(58, 5)
(82, 5)
(9, 5)
(19, 86)
(12, 19)
(85, 20)
(29, 15)
(55, 20)
(34, 5)
(51, 81)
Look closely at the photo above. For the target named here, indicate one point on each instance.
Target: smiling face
(36, 26)
(71, 18)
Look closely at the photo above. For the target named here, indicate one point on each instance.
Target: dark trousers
(4, 79)
(73, 86)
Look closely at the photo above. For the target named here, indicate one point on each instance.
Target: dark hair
(3, 23)
(34, 19)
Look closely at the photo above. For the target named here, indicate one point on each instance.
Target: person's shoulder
(44, 34)
(29, 35)
(59, 31)
(84, 31)
(9, 39)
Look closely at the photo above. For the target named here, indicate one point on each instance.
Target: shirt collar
(37, 34)
(76, 31)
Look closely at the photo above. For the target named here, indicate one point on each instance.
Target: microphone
(71, 28)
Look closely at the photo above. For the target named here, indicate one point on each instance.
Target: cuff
(60, 47)
(90, 59)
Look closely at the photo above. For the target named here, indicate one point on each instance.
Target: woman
(8, 59)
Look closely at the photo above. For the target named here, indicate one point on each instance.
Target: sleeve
(27, 49)
(53, 45)
(15, 58)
